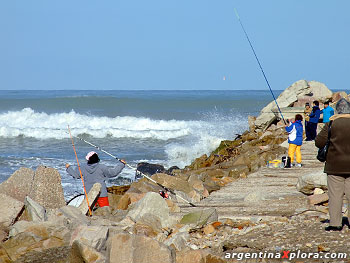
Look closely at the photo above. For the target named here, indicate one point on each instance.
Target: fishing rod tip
(236, 13)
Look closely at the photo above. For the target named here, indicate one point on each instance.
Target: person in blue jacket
(327, 112)
(314, 118)
(295, 139)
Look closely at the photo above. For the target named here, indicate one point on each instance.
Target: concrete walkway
(272, 191)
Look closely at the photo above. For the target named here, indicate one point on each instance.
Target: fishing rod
(135, 169)
(257, 59)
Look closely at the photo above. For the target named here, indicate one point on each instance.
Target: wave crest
(40, 125)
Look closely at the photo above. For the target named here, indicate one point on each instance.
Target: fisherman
(295, 139)
(94, 172)
(327, 112)
(314, 118)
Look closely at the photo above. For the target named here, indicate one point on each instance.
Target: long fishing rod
(76, 156)
(144, 175)
(257, 59)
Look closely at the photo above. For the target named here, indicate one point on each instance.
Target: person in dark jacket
(94, 172)
(295, 139)
(337, 163)
(307, 112)
(314, 118)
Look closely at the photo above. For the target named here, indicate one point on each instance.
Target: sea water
(163, 127)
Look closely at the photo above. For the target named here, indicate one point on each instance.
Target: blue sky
(172, 44)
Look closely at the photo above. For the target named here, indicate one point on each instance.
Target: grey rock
(92, 197)
(93, 236)
(47, 189)
(82, 253)
(200, 217)
(31, 236)
(254, 196)
(10, 209)
(179, 239)
(289, 96)
(67, 216)
(19, 184)
(308, 182)
(151, 203)
(35, 211)
(128, 248)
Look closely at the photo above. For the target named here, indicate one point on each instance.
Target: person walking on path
(295, 139)
(337, 165)
(307, 112)
(314, 118)
(327, 112)
(94, 172)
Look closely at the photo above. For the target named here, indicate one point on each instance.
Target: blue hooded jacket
(295, 130)
(315, 114)
(327, 113)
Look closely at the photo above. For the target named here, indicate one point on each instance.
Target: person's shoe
(298, 165)
(333, 228)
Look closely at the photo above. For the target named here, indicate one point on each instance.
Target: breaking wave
(181, 140)
(40, 125)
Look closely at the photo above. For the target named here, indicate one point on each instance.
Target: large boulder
(149, 169)
(34, 236)
(339, 95)
(172, 182)
(10, 210)
(289, 112)
(47, 188)
(93, 236)
(151, 204)
(179, 239)
(298, 90)
(92, 197)
(129, 198)
(128, 248)
(82, 253)
(34, 211)
(68, 216)
(200, 217)
(19, 184)
(191, 256)
(308, 182)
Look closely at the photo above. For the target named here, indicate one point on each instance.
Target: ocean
(163, 127)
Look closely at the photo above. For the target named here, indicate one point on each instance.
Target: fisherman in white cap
(94, 172)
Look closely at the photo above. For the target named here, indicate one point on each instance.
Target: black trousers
(307, 130)
(312, 127)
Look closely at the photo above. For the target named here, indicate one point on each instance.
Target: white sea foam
(206, 139)
(41, 125)
(183, 140)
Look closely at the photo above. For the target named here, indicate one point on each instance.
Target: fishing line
(257, 59)
(81, 175)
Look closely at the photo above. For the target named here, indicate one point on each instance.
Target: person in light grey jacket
(94, 172)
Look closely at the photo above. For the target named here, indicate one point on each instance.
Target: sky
(172, 44)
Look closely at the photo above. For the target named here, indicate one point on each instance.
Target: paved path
(275, 186)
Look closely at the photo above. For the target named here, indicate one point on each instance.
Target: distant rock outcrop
(297, 94)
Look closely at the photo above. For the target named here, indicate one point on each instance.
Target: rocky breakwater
(37, 225)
